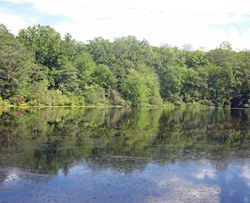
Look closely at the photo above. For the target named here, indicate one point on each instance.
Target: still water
(124, 155)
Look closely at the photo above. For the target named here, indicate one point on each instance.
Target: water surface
(124, 155)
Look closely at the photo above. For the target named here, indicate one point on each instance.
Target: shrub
(179, 103)
(116, 99)
(4, 103)
(81, 101)
(227, 103)
(95, 96)
(60, 102)
(206, 102)
(155, 101)
(33, 103)
(17, 100)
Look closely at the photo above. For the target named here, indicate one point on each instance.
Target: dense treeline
(38, 67)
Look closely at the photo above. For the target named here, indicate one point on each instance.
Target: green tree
(47, 45)
(102, 51)
(45, 42)
(18, 70)
(191, 86)
(168, 62)
(104, 77)
(134, 88)
(244, 73)
(194, 59)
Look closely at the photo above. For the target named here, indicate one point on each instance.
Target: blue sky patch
(159, 23)
(241, 27)
(28, 12)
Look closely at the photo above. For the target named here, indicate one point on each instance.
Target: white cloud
(33, 20)
(56, 6)
(13, 23)
(12, 175)
(176, 28)
(246, 174)
(205, 172)
(160, 21)
(238, 40)
(181, 190)
(234, 32)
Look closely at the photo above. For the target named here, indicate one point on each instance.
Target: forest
(39, 67)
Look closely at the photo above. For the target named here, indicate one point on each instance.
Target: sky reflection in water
(125, 156)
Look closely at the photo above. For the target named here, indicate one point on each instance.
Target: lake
(124, 155)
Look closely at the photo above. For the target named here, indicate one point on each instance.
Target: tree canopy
(44, 68)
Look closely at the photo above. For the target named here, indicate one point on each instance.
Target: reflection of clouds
(246, 174)
(186, 191)
(205, 172)
(12, 175)
(246, 199)
(229, 177)
(15, 175)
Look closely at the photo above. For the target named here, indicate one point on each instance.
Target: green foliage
(56, 137)
(195, 59)
(134, 88)
(116, 98)
(45, 69)
(104, 77)
(95, 95)
(17, 66)
(44, 41)
(6, 38)
(190, 85)
(206, 103)
(168, 63)
(102, 50)
(85, 69)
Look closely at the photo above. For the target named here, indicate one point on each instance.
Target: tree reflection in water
(59, 141)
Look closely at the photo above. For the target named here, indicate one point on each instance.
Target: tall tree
(17, 66)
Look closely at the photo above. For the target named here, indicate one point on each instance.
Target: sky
(203, 24)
